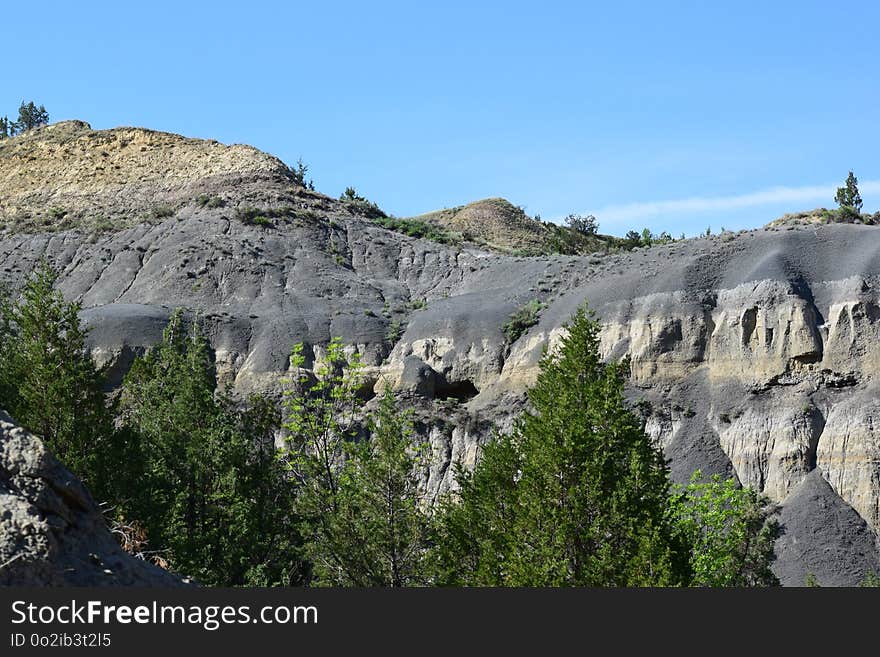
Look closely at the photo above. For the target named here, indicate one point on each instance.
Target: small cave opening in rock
(367, 390)
(817, 425)
(458, 390)
(808, 358)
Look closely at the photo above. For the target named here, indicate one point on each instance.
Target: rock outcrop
(757, 354)
(51, 532)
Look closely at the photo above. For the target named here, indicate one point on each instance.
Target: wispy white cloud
(630, 211)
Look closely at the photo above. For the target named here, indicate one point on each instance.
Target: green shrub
(416, 228)
(395, 332)
(872, 581)
(632, 239)
(568, 241)
(57, 214)
(211, 202)
(161, 212)
(102, 224)
(256, 216)
(359, 205)
(844, 215)
(523, 318)
(261, 216)
(729, 530)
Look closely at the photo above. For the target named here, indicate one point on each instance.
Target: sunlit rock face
(755, 354)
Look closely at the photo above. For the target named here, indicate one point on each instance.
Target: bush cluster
(359, 205)
(521, 320)
(417, 228)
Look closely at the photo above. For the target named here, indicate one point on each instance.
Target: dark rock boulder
(51, 531)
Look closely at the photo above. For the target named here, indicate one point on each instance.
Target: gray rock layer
(823, 537)
(758, 353)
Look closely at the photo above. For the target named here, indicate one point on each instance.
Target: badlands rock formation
(754, 354)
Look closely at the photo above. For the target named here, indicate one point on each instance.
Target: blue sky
(670, 115)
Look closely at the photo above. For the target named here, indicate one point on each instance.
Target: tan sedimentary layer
(758, 337)
(113, 171)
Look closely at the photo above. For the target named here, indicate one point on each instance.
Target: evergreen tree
(576, 495)
(357, 495)
(213, 497)
(30, 116)
(848, 197)
(320, 420)
(7, 129)
(632, 239)
(472, 534)
(50, 385)
(727, 528)
(586, 225)
(267, 502)
(377, 535)
(299, 174)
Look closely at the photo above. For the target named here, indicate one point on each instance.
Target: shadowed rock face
(758, 352)
(51, 533)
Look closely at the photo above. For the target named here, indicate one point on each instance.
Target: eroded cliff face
(756, 354)
(797, 362)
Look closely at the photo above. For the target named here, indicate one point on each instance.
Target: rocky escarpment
(769, 379)
(51, 533)
(753, 354)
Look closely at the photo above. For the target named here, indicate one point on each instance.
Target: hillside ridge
(753, 354)
(66, 175)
